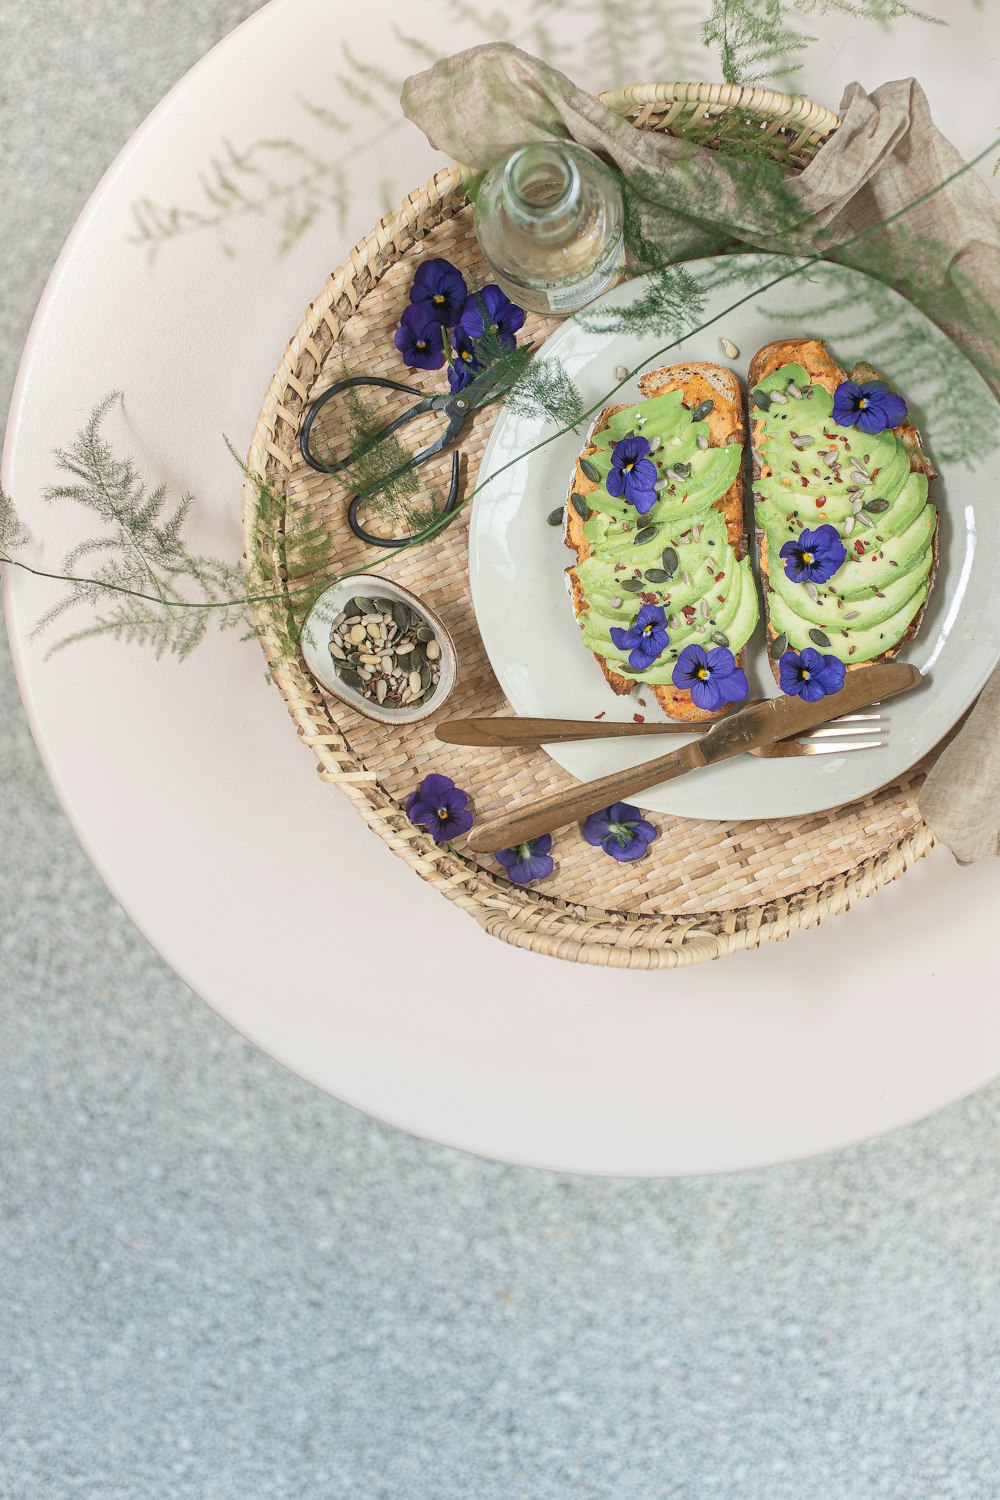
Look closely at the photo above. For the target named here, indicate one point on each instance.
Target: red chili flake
(876, 473)
(688, 609)
(649, 598)
(659, 465)
(721, 598)
(859, 548)
(600, 715)
(820, 501)
(720, 576)
(804, 482)
(639, 718)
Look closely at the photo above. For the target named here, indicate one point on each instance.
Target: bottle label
(578, 293)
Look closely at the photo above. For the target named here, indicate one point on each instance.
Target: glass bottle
(549, 220)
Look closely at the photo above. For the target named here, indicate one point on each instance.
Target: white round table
(203, 813)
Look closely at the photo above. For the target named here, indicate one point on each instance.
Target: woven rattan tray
(707, 888)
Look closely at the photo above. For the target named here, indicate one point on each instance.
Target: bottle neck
(542, 189)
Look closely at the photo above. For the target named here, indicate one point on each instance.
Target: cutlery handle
(514, 731)
(571, 806)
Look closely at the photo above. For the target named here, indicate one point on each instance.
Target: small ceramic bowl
(315, 645)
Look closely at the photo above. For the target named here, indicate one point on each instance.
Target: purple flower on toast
(440, 807)
(712, 677)
(870, 406)
(814, 556)
(620, 830)
(492, 311)
(419, 338)
(645, 639)
(633, 473)
(440, 286)
(810, 675)
(529, 861)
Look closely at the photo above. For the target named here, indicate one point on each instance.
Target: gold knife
(754, 724)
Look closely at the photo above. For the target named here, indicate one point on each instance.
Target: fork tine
(831, 731)
(856, 718)
(781, 748)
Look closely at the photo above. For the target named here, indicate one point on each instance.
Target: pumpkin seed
(876, 507)
(670, 561)
(424, 633)
(779, 646)
(631, 585)
(657, 575)
(590, 471)
(719, 637)
(702, 410)
(580, 505)
(684, 470)
(760, 399)
(818, 638)
(555, 516)
(352, 607)
(351, 678)
(645, 534)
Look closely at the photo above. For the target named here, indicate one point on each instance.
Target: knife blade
(755, 724)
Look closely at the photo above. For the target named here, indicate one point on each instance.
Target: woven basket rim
(527, 918)
(796, 109)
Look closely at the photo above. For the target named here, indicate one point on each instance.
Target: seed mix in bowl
(385, 651)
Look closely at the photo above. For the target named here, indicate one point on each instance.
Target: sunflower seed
(729, 349)
(852, 614)
(702, 441)
(644, 534)
(675, 476)
(357, 634)
(779, 397)
(590, 471)
(849, 525)
(704, 609)
(812, 591)
(380, 690)
(802, 440)
(433, 651)
(615, 602)
(620, 372)
(336, 651)
(669, 561)
(779, 645)
(818, 638)
(655, 443)
(555, 516)
(794, 391)
(702, 410)
(686, 579)
(404, 648)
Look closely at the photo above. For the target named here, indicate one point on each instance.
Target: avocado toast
(688, 553)
(810, 471)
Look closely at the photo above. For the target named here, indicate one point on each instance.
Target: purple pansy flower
(419, 338)
(646, 638)
(441, 807)
(529, 861)
(633, 473)
(810, 674)
(620, 830)
(464, 365)
(870, 406)
(712, 677)
(492, 311)
(814, 556)
(441, 286)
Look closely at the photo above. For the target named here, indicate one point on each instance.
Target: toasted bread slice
(698, 384)
(823, 370)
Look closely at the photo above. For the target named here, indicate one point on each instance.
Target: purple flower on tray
(646, 639)
(441, 286)
(530, 861)
(712, 677)
(810, 675)
(419, 338)
(870, 406)
(814, 556)
(441, 807)
(492, 311)
(620, 830)
(633, 473)
(464, 366)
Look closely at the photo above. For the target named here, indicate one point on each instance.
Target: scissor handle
(456, 410)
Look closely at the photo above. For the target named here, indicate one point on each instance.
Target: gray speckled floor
(217, 1283)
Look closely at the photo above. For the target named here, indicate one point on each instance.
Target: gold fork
(838, 737)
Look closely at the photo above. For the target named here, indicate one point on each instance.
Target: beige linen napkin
(943, 253)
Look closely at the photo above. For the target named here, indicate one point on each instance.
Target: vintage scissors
(455, 405)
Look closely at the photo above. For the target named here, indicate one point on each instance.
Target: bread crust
(727, 424)
(815, 358)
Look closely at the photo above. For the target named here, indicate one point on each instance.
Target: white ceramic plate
(517, 561)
